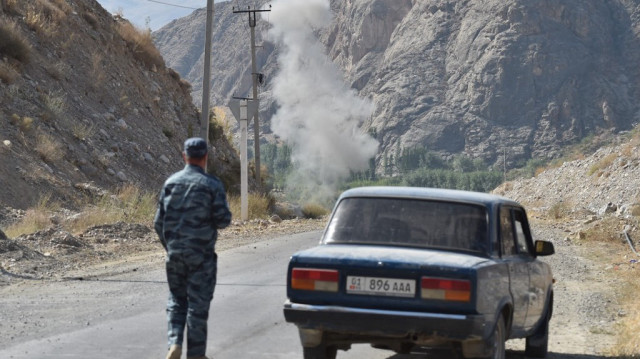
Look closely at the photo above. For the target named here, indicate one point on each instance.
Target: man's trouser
(191, 278)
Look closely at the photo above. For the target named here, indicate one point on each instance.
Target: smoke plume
(318, 114)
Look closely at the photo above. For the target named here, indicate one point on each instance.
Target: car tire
(322, 351)
(537, 344)
(498, 339)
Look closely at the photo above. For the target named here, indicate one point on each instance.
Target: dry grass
(259, 206)
(314, 210)
(141, 43)
(8, 73)
(185, 86)
(82, 131)
(91, 19)
(38, 22)
(130, 204)
(35, 219)
(63, 6)
(11, 6)
(219, 126)
(68, 41)
(559, 210)
(609, 229)
(58, 70)
(628, 341)
(55, 105)
(49, 149)
(25, 124)
(12, 42)
(603, 163)
(97, 71)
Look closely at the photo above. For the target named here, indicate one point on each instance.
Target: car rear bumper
(387, 323)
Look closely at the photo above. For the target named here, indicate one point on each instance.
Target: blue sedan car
(416, 267)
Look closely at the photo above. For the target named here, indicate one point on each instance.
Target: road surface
(123, 315)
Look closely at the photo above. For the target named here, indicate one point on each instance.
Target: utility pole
(206, 81)
(242, 109)
(254, 74)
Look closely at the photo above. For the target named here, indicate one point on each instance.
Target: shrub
(12, 43)
(91, 19)
(38, 22)
(26, 124)
(81, 130)
(7, 73)
(141, 43)
(57, 70)
(48, 148)
(314, 210)
(558, 210)
(55, 105)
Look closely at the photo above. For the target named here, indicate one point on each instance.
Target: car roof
(439, 194)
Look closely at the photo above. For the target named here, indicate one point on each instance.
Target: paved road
(123, 316)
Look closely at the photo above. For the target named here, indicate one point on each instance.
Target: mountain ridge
(462, 77)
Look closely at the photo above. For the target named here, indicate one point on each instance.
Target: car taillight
(314, 279)
(446, 289)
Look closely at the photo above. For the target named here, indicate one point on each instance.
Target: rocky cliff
(481, 78)
(87, 104)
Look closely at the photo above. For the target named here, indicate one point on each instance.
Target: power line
(166, 3)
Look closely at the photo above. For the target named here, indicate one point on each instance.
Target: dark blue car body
(410, 267)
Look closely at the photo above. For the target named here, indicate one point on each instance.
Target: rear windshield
(409, 222)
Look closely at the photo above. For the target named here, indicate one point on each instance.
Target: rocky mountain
(88, 105)
(482, 78)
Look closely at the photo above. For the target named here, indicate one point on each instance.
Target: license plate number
(381, 286)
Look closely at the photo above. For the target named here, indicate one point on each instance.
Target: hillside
(481, 78)
(604, 183)
(88, 105)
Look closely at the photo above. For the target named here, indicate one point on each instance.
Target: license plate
(381, 286)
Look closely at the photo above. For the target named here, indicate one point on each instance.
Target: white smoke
(319, 115)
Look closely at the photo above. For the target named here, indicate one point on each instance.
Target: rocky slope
(607, 182)
(475, 77)
(87, 99)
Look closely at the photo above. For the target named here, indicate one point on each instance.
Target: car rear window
(409, 222)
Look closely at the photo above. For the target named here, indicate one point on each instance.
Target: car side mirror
(544, 248)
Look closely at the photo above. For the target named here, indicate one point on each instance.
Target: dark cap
(195, 147)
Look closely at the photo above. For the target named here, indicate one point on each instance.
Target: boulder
(3, 236)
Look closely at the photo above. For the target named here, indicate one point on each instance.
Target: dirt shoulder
(55, 254)
(587, 310)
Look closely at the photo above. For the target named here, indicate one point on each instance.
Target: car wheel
(537, 344)
(322, 351)
(499, 337)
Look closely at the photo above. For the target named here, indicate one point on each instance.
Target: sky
(159, 14)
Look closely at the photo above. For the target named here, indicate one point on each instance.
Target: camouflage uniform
(191, 208)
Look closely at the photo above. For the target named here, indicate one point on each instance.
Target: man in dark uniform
(191, 209)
